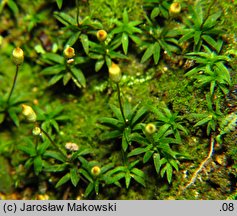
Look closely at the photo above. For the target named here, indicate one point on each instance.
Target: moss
(141, 83)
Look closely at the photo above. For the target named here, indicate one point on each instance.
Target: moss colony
(106, 99)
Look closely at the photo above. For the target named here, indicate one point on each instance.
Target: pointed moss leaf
(174, 164)
(42, 148)
(89, 189)
(79, 153)
(65, 18)
(28, 150)
(139, 115)
(2, 117)
(155, 12)
(148, 53)
(156, 159)
(193, 71)
(203, 121)
(63, 180)
(51, 70)
(135, 39)
(169, 172)
(28, 163)
(138, 172)
(165, 46)
(14, 117)
(108, 61)
(55, 168)
(211, 20)
(127, 179)
(85, 43)
(136, 151)
(118, 55)
(74, 176)
(117, 169)
(224, 71)
(54, 57)
(197, 37)
(187, 36)
(136, 137)
(79, 76)
(13, 6)
(161, 132)
(127, 110)
(59, 3)
(182, 128)
(54, 124)
(38, 164)
(125, 16)
(55, 79)
(99, 64)
(125, 42)
(73, 39)
(133, 164)
(66, 78)
(111, 122)
(115, 178)
(56, 155)
(210, 41)
(97, 184)
(156, 52)
(212, 87)
(139, 179)
(164, 12)
(147, 156)
(111, 135)
(125, 141)
(86, 175)
(117, 112)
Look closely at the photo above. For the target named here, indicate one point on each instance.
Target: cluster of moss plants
(68, 136)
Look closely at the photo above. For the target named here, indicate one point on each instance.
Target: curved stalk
(52, 142)
(13, 85)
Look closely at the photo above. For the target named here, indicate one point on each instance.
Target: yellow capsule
(101, 35)
(115, 73)
(69, 52)
(95, 171)
(18, 56)
(175, 8)
(29, 113)
(150, 128)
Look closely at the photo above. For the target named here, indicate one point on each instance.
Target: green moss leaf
(63, 180)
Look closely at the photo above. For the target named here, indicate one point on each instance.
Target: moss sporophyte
(18, 59)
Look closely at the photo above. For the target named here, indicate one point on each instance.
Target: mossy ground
(142, 83)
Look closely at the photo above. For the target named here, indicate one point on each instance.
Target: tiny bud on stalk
(101, 35)
(115, 73)
(29, 113)
(18, 56)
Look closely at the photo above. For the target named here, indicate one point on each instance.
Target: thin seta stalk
(13, 85)
(120, 103)
(78, 11)
(52, 142)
